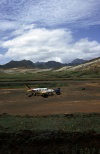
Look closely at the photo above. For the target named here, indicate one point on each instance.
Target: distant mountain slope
(90, 66)
(90, 69)
(30, 64)
(77, 62)
(16, 64)
(49, 64)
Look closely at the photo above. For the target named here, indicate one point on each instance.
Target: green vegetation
(21, 84)
(56, 134)
(17, 80)
(66, 123)
(49, 75)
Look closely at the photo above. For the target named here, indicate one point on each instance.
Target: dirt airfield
(74, 98)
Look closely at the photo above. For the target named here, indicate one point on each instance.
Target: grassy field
(17, 80)
(38, 84)
(56, 134)
(66, 123)
(50, 75)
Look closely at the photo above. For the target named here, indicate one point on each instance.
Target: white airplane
(44, 92)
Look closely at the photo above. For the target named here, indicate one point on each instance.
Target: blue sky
(41, 30)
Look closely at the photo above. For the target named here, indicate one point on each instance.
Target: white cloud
(1, 56)
(45, 45)
(22, 29)
(7, 25)
(2, 59)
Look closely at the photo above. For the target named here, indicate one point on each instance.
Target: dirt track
(73, 99)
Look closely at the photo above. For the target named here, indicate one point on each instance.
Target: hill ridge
(42, 65)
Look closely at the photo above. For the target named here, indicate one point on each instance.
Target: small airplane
(44, 92)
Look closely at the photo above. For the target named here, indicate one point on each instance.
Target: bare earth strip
(73, 99)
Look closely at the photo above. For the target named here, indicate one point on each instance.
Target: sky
(46, 30)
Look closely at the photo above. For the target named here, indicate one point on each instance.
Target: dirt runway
(73, 99)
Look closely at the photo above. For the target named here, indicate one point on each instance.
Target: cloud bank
(41, 44)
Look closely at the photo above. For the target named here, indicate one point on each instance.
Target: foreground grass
(56, 134)
(66, 123)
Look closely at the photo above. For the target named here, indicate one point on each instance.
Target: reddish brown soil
(73, 99)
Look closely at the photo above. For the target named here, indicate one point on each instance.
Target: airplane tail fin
(27, 86)
(29, 90)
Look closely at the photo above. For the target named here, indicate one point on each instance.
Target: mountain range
(41, 65)
(51, 69)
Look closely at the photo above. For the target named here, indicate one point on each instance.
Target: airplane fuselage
(45, 92)
(42, 90)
